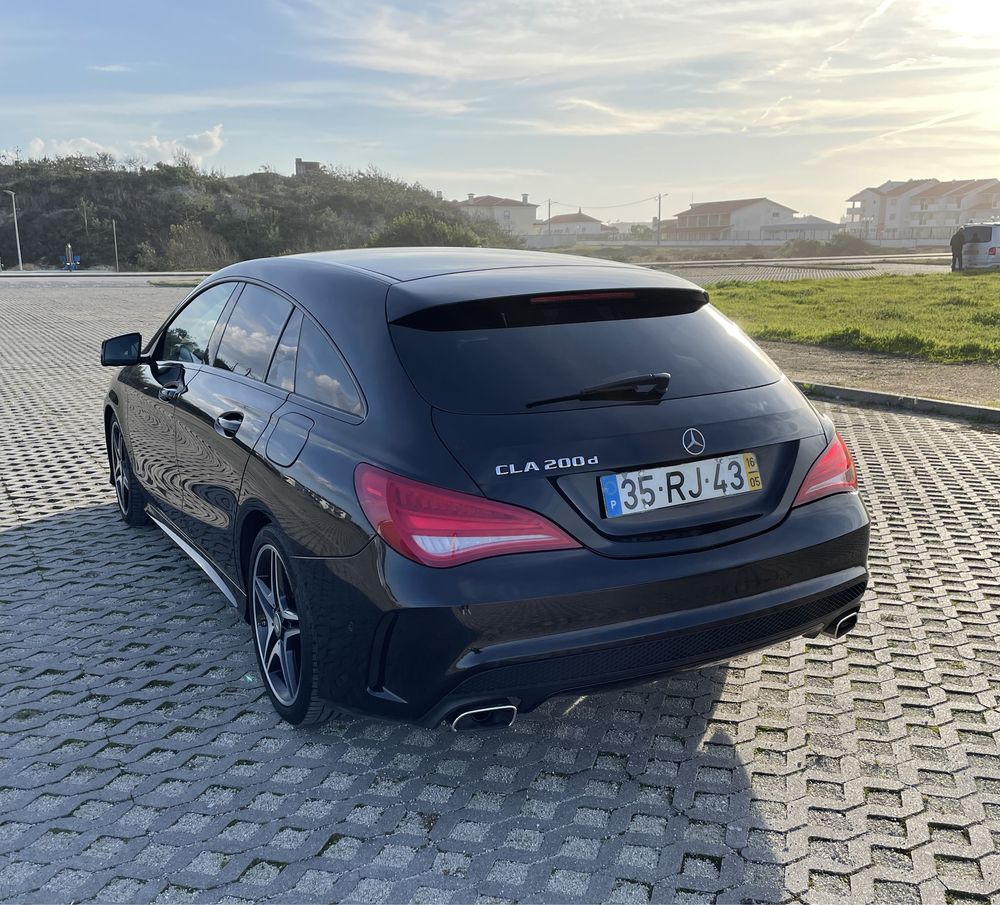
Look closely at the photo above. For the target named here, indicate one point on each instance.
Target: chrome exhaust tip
(843, 625)
(499, 717)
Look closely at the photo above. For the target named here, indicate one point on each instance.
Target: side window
(282, 372)
(320, 372)
(252, 332)
(188, 336)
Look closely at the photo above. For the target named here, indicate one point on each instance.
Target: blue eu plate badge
(612, 502)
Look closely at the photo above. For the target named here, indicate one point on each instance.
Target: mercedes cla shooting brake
(448, 484)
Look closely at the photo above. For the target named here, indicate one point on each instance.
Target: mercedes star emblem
(694, 441)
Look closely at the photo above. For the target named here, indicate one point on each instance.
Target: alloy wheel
(118, 472)
(276, 625)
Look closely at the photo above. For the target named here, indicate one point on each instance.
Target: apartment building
(921, 208)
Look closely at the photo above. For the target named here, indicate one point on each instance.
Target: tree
(192, 247)
(424, 228)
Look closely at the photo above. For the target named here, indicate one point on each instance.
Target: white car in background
(982, 246)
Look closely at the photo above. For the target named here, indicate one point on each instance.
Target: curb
(980, 413)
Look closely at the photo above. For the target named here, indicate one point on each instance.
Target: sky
(589, 103)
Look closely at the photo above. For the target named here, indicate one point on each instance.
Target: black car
(447, 484)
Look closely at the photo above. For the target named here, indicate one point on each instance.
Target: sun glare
(977, 19)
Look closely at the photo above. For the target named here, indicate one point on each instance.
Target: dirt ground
(978, 384)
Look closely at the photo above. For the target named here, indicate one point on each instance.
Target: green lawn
(941, 317)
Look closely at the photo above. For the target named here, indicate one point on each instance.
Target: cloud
(66, 147)
(858, 69)
(153, 149)
(111, 67)
(197, 147)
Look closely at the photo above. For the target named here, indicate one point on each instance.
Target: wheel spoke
(273, 653)
(281, 597)
(262, 594)
(290, 668)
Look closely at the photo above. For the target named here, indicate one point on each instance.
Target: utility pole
(659, 216)
(17, 235)
(114, 231)
(549, 221)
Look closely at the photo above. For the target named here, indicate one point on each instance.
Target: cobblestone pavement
(140, 760)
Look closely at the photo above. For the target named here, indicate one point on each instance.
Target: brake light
(833, 472)
(992, 251)
(443, 528)
(581, 297)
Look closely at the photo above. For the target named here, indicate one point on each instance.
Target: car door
(177, 353)
(220, 417)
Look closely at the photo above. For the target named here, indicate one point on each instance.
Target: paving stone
(137, 764)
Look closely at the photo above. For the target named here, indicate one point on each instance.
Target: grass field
(940, 317)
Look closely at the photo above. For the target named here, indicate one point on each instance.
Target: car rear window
(978, 234)
(497, 356)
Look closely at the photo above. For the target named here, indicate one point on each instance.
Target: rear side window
(188, 336)
(321, 374)
(252, 332)
(496, 356)
(282, 371)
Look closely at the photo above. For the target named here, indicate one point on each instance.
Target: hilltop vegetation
(178, 217)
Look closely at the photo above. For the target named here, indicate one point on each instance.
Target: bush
(192, 247)
(424, 228)
(841, 244)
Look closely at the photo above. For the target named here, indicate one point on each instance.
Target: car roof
(403, 264)
(429, 275)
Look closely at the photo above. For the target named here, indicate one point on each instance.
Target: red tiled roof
(578, 217)
(907, 186)
(976, 185)
(857, 197)
(493, 201)
(725, 207)
(943, 188)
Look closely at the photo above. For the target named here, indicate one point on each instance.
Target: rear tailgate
(500, 372)
(529, 460)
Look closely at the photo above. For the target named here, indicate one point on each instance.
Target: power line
(607, 206)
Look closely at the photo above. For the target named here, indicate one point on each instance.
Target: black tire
(278, 651)
(131, 497)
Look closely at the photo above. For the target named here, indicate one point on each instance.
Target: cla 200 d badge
(563, 462)
(319, 433)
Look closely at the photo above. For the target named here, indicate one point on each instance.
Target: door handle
(228, 423)
(170, 394)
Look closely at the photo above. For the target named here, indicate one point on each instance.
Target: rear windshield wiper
(641, 388)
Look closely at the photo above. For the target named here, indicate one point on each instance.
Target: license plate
(632, 492)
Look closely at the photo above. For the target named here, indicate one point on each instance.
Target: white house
(578, 224)
(742, 219)
(804, 227)
(517, 217)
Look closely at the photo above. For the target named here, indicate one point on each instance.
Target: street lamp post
(17, 235)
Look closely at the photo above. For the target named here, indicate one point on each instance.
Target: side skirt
(204, 564)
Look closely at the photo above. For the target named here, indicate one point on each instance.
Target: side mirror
(121, 350)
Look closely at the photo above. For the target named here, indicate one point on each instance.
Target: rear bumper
(418, 644)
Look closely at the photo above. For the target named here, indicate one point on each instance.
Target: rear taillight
(992, 251)
(445, 528)
(833, 472)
